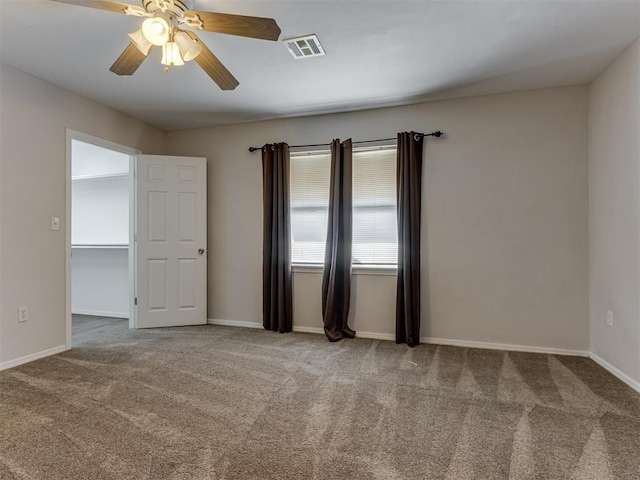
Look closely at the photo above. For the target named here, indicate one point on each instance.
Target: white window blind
(375, 237)
(309, 194)
(375, 233)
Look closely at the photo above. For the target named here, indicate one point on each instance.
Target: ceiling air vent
(303, 47)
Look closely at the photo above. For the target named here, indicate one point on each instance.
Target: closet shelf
(97, 177)
(96, 246)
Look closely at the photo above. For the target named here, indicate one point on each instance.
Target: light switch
(55, 223)
(610, 318)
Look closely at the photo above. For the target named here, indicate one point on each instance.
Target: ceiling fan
(165, 27)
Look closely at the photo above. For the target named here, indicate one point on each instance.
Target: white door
(171, 241)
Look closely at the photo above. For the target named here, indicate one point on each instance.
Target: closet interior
(100, 218)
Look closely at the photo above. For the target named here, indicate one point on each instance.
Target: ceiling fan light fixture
(189, 48)
(140, 41)
(156, 30)
(161, 26)
(171, 55)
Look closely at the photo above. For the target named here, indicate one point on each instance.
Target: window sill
(388, 270)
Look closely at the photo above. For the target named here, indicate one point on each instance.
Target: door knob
(200, 251)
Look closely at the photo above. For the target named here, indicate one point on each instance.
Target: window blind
(375, 235)
(309, 192)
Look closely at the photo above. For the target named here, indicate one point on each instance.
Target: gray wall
(505, 238)
(505, 213)
(33, 119)
(614, 213)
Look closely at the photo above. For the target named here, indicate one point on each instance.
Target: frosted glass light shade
(156, 30)
(189, 48)
(140, 41)
(171, 55)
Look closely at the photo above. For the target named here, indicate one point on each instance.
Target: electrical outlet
(610, 318)
(23, 314)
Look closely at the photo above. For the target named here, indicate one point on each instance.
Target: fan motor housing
(176, 7)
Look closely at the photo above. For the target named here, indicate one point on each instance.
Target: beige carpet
(225, 403)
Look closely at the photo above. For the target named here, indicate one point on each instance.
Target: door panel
(187, 221)
(157, 284)
(187, 273)
(158, 216)
(171, 241)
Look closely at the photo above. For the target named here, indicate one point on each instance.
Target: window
(375, 237)
(375, 232)
(309, 180)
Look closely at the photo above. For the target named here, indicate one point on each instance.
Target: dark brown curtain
(336, 280)
(409, 187)
(277, 295)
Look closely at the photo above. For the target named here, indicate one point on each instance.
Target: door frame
(132, 152)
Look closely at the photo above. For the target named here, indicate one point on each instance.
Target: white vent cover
(303, 47)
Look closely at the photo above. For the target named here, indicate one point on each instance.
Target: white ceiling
(379, 53)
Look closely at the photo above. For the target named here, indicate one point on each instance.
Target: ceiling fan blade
(214, 67)
(129, 61)
(254, 27)
(116, 7)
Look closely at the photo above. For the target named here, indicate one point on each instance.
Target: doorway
(100, 273)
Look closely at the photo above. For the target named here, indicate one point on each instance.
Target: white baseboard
(302, 329)
(233, 323)
(240, 323)
(430, 340)
(298, 328)
(376, 336)
(359, 334)
(615, 371)
(503, 346)
(98, 313)
(30, 358)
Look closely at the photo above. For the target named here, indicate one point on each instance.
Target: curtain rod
(432, 134)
